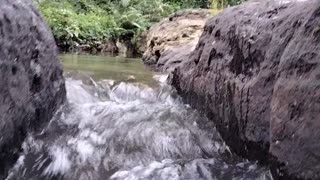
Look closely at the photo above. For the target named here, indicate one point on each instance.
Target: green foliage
(77, 22)
(72, 26)
(190, 3)
(90, 22)
(220, 4)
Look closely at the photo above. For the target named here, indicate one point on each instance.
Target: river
(123, 122)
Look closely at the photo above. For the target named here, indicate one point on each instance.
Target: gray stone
(31, 77)
(256, 73)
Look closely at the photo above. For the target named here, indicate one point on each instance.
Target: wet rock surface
(173, 39)
(31, 81)
(256, 73)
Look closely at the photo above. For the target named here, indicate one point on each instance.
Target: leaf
(136, 24)
(125, 3)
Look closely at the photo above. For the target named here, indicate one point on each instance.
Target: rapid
(121, 127)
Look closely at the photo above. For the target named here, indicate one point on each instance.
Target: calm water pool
(104, 67)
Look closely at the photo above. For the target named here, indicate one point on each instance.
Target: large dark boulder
(31, 81)
(256, 73)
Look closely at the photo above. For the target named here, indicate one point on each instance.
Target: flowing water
(123, 122)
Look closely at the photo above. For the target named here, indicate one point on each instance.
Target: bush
(72, 27)
(77, 22)
(220, 4)
(89, 22)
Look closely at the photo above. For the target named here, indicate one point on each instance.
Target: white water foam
(127, 131)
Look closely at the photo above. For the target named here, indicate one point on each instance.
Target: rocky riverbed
(249, 79)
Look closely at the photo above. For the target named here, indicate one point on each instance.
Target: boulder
(175, 36)
(31, 77)
(141, 42)
(256, 73)
(109, 48)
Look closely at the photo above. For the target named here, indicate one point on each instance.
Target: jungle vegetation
(92, 22)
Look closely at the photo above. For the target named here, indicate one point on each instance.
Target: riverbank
(102, 26)
(111, 27)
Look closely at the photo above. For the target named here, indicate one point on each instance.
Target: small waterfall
(128, 131)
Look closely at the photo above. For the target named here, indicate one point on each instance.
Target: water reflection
(102, 67)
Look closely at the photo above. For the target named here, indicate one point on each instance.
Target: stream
(123, 122)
